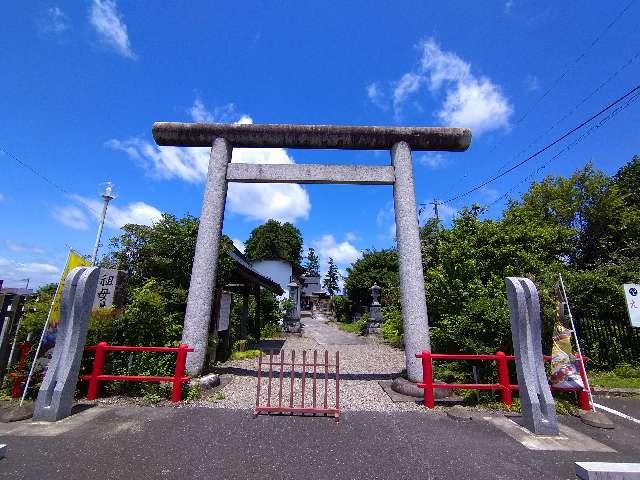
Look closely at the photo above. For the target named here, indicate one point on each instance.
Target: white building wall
(278, 271)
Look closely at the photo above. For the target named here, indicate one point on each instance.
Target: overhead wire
(546, 147)
(47, 180)
(634, 98)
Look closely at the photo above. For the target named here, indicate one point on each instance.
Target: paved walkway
(325, 334)
(205, 443)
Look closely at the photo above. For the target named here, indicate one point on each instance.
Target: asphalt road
(168, 443)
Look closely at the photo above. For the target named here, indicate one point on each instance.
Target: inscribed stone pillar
(55, 397)
(538, 406)
(205, 260)
(412, 296)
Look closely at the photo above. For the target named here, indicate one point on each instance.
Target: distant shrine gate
(223, 137)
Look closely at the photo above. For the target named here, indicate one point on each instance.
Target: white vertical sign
(632, 295)
(106, 288)
(225, 311)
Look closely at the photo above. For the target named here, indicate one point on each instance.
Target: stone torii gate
(222, 138)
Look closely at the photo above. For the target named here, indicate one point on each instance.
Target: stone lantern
(375, 294)
(292, 319)
(375, 310)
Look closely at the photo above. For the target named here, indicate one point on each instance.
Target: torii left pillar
(205, 261)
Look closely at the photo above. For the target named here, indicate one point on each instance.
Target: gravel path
(363, 362)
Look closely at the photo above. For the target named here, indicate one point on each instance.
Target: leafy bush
(245, 355)
(270, 330)
(194, 391)
(392, 329)
(359, 326)
(341, 308)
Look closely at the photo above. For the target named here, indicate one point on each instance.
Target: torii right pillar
(412, 296)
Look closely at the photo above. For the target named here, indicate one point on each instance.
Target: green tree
(331, 279)
(375, 266)
(35, 313)
(275, 241)
(163, 252)
(312, 265)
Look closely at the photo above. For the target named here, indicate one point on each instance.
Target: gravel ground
(361, 367)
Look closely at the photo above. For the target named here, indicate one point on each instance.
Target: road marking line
(616, 412)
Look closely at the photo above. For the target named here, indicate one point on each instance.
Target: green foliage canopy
(275, 241)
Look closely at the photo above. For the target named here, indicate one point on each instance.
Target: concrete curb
(616, 391)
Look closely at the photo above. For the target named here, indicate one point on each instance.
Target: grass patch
(565, 403)
(355, 327)
(245, 355)
(623, 376)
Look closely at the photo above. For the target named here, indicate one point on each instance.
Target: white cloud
(470, 101)
(508, 6)
(478, 105)
(238, 244)
(107, 21)
(139, 213)
(441, 67)
(13, 272)
(490, 194)
(341, 252)
(21, 247)
(407, 85)
(53, 20)
(531, 83)
(80, 217)
(72, 217)
(351, 237)
(432, 160)
(285, 202)
(376, 95)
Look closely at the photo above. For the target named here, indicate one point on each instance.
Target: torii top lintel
(348, 137)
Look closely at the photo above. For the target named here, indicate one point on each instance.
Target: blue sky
(83, 82)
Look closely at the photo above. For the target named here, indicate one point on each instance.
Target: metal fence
(608, 341)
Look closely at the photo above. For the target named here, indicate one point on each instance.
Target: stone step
(608, 471)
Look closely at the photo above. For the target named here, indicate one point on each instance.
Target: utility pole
(107, 196)
(435, 204)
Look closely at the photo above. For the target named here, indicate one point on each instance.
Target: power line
(546, 147)
(629, 61)
(575, 62)
(47, 180)
(568, 147)
(33, 170)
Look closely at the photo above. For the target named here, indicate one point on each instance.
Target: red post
(181, 360)
(427, 379)
(584, 402)
(98, 366)
(503, 378)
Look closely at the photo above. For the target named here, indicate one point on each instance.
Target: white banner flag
(632, 295)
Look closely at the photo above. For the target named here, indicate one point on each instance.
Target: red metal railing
(503, 385)
(285, 372)
(101, 350)
(20, 374)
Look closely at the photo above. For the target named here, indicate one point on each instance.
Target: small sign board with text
(106, 288)
(632, 296)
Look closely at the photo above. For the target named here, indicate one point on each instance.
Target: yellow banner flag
(74, 260)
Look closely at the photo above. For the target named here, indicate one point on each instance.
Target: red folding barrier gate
(303, 398)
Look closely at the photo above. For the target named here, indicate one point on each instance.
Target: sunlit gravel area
(361, 367)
